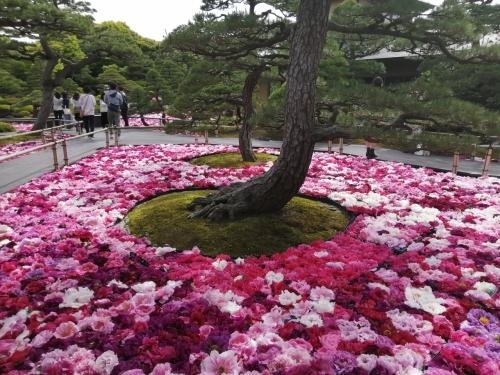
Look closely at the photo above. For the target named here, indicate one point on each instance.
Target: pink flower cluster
(22, 126)
(151, 119)
(411, 287)
(13, 148)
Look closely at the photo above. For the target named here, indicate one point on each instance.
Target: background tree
(243, 38)
(63, 37)
(208, 89)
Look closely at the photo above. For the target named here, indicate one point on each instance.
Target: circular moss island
(165, 221)
(231, 160)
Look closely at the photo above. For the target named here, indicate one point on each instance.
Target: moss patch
(231, 160)
(164, 220)
(19, 138)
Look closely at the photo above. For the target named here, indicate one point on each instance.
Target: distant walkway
(20, 170)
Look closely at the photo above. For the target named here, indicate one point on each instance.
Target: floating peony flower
(356, 330)
(225, 363)
(220, 264)
(367, 362)
(274, 277)
(66, 330)
(42, 338)
(287, 298)
(163, 369)
(311, 319)
(160, 251)
(76, 297)
(106, 362)
(424, 299)
(488, 288)
(145, 287)
(323, 305)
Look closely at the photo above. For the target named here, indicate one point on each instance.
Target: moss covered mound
(164, 220)
(231, 160)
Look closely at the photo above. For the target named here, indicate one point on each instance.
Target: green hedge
(6, 127)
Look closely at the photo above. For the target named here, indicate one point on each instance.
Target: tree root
(224, 204)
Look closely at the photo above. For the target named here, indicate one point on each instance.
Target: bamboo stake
(454, 167)
(487, 161)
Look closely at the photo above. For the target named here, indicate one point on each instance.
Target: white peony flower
(311, 319)
(230, 307)
(470, 273)
(433, 261)
(287, 298)
(274, 277)
(486, 287)
(160, 251)
(76, 297)
(367, 362)
(324, 306)
(119, 284)
(105, 363)
(424, 299)
(145, 287)
(491, 270)
(220, 264)
(339, 266)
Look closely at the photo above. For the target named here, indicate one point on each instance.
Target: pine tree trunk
(271, 191)
(48, 85)
(245, 133)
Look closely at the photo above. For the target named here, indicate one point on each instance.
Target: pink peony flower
(225, 363)
(106, 362)
(66, 330)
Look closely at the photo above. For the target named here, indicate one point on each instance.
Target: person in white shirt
(76, 107)
(58, 108)
(87, 109)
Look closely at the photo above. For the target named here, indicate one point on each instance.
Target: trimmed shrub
(6, 127)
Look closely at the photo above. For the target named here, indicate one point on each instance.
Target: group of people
(113, 105)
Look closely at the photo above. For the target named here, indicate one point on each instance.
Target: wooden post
(107, 137)
(65, 153)
(117, 135)
(454, 167)
(487, 161)
(341, 145)
(54, 155)
(196, 137)
(206, 137)
(329, 146)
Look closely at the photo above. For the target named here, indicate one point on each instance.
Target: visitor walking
(76, 107)
(57, 106)
(370, 143)
(124, 106)
(66, 104)
(87, 107)
(114, 100)
(103, 108)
